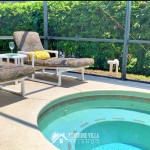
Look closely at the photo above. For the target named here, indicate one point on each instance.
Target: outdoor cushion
(15, 72)
(42, 55)
(62, 62)
(31, 38)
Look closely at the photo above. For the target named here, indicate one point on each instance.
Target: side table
(18, 58)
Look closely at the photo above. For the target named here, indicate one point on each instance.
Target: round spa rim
(141, 95)
(137, 96)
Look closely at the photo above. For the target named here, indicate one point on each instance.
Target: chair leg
(16, 82)
(82, 73)
(43, 70)
(23, 87)
(22, 92)
(33, 76)
(57, 71)
(41, 81)
(59, 76)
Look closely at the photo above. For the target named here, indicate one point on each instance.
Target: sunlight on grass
(129, 76)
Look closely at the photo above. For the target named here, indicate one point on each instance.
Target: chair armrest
(24, 52)
(52, 51)
(28, 53)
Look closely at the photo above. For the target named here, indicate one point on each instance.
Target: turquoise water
(98, 127)
(116, 146)
(97, 123)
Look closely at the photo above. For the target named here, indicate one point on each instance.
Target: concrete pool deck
(18, 119)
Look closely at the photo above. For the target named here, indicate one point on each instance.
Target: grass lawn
(129, 76)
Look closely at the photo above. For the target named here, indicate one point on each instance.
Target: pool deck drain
(18, 119)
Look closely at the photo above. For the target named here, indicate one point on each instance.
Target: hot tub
(98, 120)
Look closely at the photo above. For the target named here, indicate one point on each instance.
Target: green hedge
(86, 19)
(19, 16)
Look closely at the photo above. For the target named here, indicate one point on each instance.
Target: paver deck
(18, 119)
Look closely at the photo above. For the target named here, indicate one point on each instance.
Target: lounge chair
(28, 42)
(13, 73)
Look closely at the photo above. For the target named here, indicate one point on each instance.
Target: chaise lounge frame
(59, 69)
(21, 92)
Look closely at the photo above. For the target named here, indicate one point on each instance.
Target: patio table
(18, 58)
